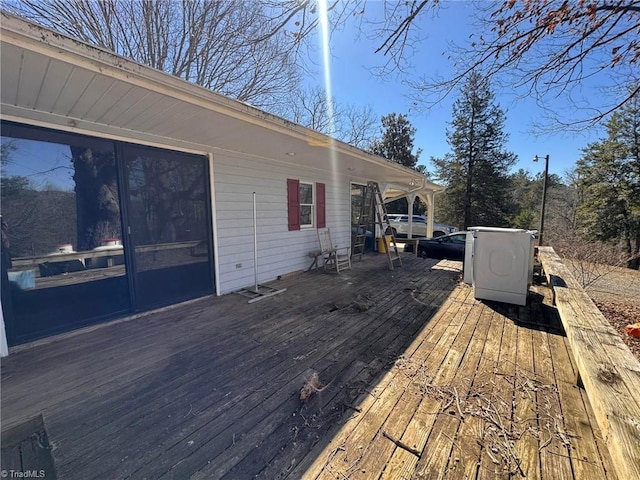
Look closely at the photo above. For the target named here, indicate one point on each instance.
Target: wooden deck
(423, 382)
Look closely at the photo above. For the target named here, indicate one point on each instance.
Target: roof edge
(21, 32)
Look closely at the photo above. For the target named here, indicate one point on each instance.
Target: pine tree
(609, 172)
(526, 194)
(475, 172)
(396, 143)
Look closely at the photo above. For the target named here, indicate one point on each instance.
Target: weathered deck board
(403, 331)
(402, 462)
(484, 386)
(259, 390)
(609, 371)
(498, 385)
(382, 447)
(466, 450)
(152, 423)
(442, 440)
(517, 362)
(585, 455)
(527, 446)
(344, 342)
(425, 297)
(369, 400)
(554, 455)
(210, 389)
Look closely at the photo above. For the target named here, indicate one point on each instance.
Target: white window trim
(312, 205)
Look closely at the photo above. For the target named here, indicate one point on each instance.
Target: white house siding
(280, 251)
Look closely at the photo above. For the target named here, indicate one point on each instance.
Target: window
(306, 204)
(458, 238)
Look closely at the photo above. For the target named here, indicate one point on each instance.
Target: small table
(315, 255)
(414, 243)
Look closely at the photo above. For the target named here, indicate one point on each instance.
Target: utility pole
(544, 196)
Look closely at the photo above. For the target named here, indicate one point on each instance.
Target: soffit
(50, 79)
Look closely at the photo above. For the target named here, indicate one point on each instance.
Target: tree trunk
(469, 187)
(98, 208)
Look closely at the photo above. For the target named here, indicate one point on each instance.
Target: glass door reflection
(169, 228)
(63, 260)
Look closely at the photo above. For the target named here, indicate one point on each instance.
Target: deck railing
(607, 369)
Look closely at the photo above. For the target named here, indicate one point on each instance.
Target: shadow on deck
(417, 372)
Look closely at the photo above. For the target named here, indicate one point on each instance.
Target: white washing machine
(502, 264)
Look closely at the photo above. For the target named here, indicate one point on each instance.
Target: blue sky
(353, 83)
(46, 165)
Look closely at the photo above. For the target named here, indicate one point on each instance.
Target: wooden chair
(335, 258)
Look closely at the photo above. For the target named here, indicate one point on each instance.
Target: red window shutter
(293, 203)
(321, 205)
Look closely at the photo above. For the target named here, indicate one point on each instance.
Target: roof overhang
(52, 80)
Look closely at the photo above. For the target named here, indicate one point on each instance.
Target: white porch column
(411, 198)
(429, 199)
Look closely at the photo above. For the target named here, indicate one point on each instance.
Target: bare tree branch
(401, 31)
(351, 124)
(550, 48)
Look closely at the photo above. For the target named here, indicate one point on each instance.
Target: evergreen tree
(396, 143)
(475, 172)
(609, 172)
(526, 194)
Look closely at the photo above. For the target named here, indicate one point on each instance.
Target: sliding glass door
(63, 259)
(168, 229)
(94, 229)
